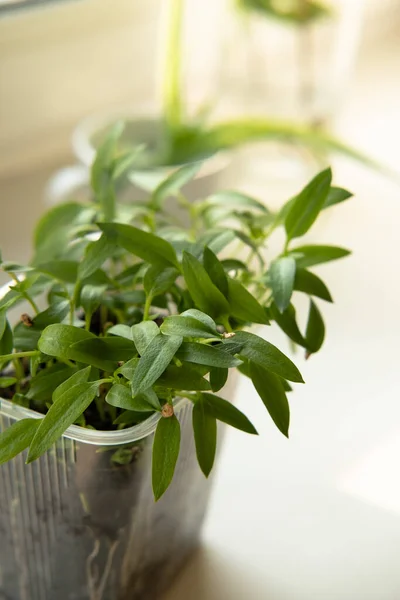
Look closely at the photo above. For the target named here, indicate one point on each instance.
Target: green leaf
(7, 341)
(91, 297)
(128, 368)
(154, 361)
(187, 327)
(63, 413)
(268, 356)
(174, 183)
(232, 264)
(243, 305)
(121, 331)
(159, 280)
(57, 339)
(145, 245)
(46, 381)
(128, 417)
(215, 271)
(17, 438)
(205, 294)
(315, 332)
(205, 437)
(167, 439)
(55, 313)
(231, 198)
(335, 196)
(281, 276)
(79, 377)
(25, 338)
(185, 377)
(144, 333)
(270, 389)
(225, 411)
(95, 255)
(287, 322)
(309, 283)
(120, 396)
(218, 378)
(203, 317)
(103, 353)
(307, 205)
(308, 256)
(6, 382)
(203, 354)
(62, 270)
(3, 322)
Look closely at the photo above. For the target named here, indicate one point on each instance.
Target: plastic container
(74, 526)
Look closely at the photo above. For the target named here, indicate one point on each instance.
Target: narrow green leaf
(335, 196)
(55, 313)
(7, 341)
(232, 264)
(57, 339)
(203, 354)
(46, 381)
(218, 378)
(243, 305)
(79, 377)
(16, 438)
(103, 353)
(159, 280)
(120, 396)
(128, 368)
(281, 276)
(308, 256)
(287, 322)
(167, 439)
(307, 205)
(129, 417)
(235, 199)
(154, 361)
(310, 284)
(225, 411)
(315, 332)
(144, 333)
(205, 437)
(6, 382)
(174, 183)
(205, 294)
(62, 270)
(185, 377)
(146, 246)
(215, 271)
(187, 327)
(3, 322)
(121, 331)
(268, 356)
(271, 391)
(95, 255)
(203, 317)
(63, 413)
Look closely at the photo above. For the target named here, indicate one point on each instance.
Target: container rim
(95, 437)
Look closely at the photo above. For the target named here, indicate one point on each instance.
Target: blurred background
(317, 517)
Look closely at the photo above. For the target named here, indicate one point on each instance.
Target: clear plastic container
(75, 526)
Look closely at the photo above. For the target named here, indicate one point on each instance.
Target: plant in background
(297, 12)
(142, 308)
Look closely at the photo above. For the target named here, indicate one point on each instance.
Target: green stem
(226, 324)
(26, 295)
(14, 355)
(74, 302)
(172, 100)
(147, 306)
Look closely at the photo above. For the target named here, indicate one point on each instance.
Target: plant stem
(226, 324)
(26, 295)
(14, 355)
(147, 306)
(172, 101)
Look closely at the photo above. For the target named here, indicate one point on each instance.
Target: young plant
(143, 308)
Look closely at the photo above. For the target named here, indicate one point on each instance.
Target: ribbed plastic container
(74, 526)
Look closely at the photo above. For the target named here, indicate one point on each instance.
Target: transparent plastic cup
(75, 526)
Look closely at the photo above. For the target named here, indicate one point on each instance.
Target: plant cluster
(146, 303)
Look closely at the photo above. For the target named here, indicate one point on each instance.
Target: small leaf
(232, 264)
(55, 313)
(103, 353)
(307, 205)
(218, 378)
(6, 382)
(167, 439)
(231, 198)
(7, 341)
(226, 412)
(95, 255)
(17, 438)
(310, 284)
(335, 196)
(128, 417)
(187, 327)
(128, 368)
(79, 377)
(121, 331)
(185, 377)
(46, 381)
(120, 396)
(159, 280)
(205, 294)
(203, 317)
(3, 322)
(243, 305)
(174, 183)
(308, 256)
(287, 322)
(215, 271)
(62, 270)
(268, 356)
(270, 389)
(205, 437)
(154, 361)
(315, 332)
(63, 413)
(281, 276)
(203, 354)
(144, 333)
(146, 246)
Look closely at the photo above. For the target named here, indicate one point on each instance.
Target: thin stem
(26, 295)
(172, 100)
(19, 371)
(74, 302)
(147, 306)
(14, 355)
(226, 324)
